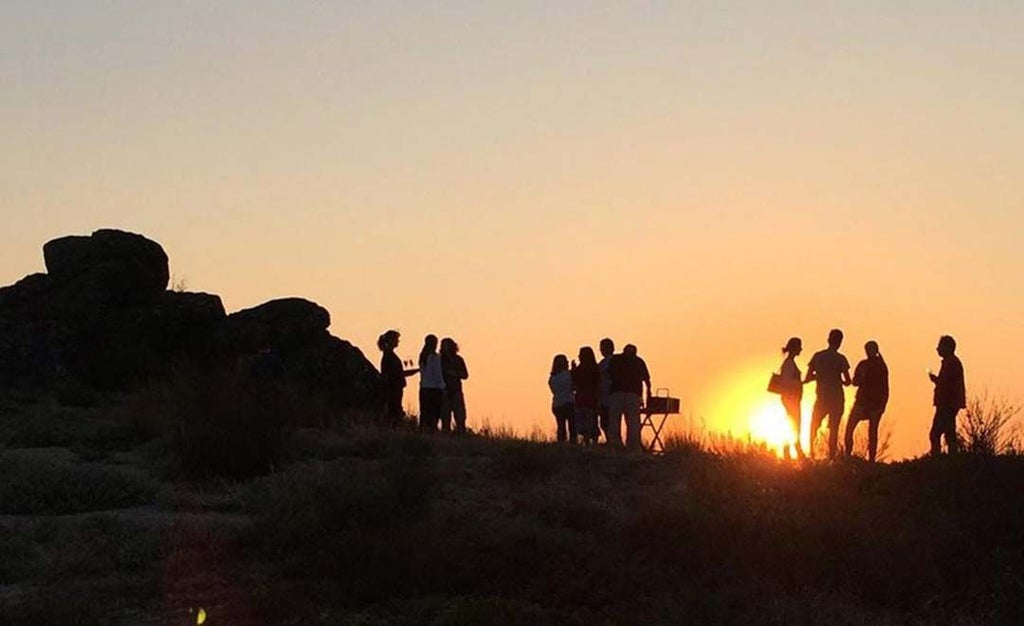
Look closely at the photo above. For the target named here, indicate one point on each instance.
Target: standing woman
(431, 384)
(792, 391)
(393, 375)
(560, 383)
(586, 383)
(453, 368)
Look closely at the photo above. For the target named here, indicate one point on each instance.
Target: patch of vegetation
(36, 485)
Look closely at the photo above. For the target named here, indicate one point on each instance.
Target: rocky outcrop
(102, 314)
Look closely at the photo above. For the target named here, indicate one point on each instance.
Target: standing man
(831, 370)
(607, 347)
(629, 375)
(950, 396)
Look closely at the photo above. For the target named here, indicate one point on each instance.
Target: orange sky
(703, 181)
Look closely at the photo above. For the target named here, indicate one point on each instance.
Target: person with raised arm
(950, 396)
(393, 375)
(431, 385)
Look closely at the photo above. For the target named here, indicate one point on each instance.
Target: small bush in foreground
(34, 486)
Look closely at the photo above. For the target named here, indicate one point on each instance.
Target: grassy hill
(100, 525)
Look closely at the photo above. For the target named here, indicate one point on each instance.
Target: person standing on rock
(393, 375)
(950, 396)
(453, 369)
(431, 385)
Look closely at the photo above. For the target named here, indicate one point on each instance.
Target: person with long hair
(431, 384)
(871, 378)
(586, 384)
(792, 392)
(560, 384)
(453, 369)
(393, 375)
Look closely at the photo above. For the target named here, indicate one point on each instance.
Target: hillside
(99, 525)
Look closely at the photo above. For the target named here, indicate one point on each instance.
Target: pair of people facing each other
(441, 375)
(609, 390)
(830, 369)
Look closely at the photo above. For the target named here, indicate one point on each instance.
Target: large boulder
(110, 266)
(339, 370)
(135, 344)
(285, 323)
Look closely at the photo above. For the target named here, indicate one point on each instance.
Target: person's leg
(835, 418)
(817, 415)
(446, 412)
(425, 410)
(613, 434)
(632, 410)
(873, 422)
(935, 434)
(856, 413)
(949, 431)
(570, 416)
(560, 422)
(459, 410)
(603, 412)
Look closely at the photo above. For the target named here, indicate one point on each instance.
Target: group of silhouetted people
(589, 397)
(442, 400)
(830, 370)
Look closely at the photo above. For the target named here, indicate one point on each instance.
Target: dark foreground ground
(369, 527)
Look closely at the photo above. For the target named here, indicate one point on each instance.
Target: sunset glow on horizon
(704, 180)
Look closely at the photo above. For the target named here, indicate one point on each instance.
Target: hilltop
(99, 523)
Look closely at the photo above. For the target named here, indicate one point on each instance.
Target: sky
(701, 179)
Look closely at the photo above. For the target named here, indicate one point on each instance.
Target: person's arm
(812, 372)
(463, 371)
(647, 379)
(858, 375)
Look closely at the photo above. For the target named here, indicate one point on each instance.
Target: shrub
(222, 421)
(34, 485)
(990, 425)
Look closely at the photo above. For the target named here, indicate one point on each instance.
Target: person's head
(587, 356)
(560, 364)
(871, 349)
(629, 350)
(835, 338)
(388, 341)
(429, 347)
(449, 347)
(947, 346)
(793, 347)
(607, 347)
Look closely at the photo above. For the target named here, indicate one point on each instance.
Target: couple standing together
(441, 376)
(610, 390)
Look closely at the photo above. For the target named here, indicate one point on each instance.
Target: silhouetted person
(871, 378)
(607, 347)
(453, 369)
(793, 391)
(950, 396)
(560, 383)
(629, 375)
(431, 384)
(831, 370)
(586, 382)
(393, 375)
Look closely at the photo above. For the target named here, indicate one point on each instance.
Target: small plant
(990, 425)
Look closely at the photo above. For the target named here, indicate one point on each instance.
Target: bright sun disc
(769, 424)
